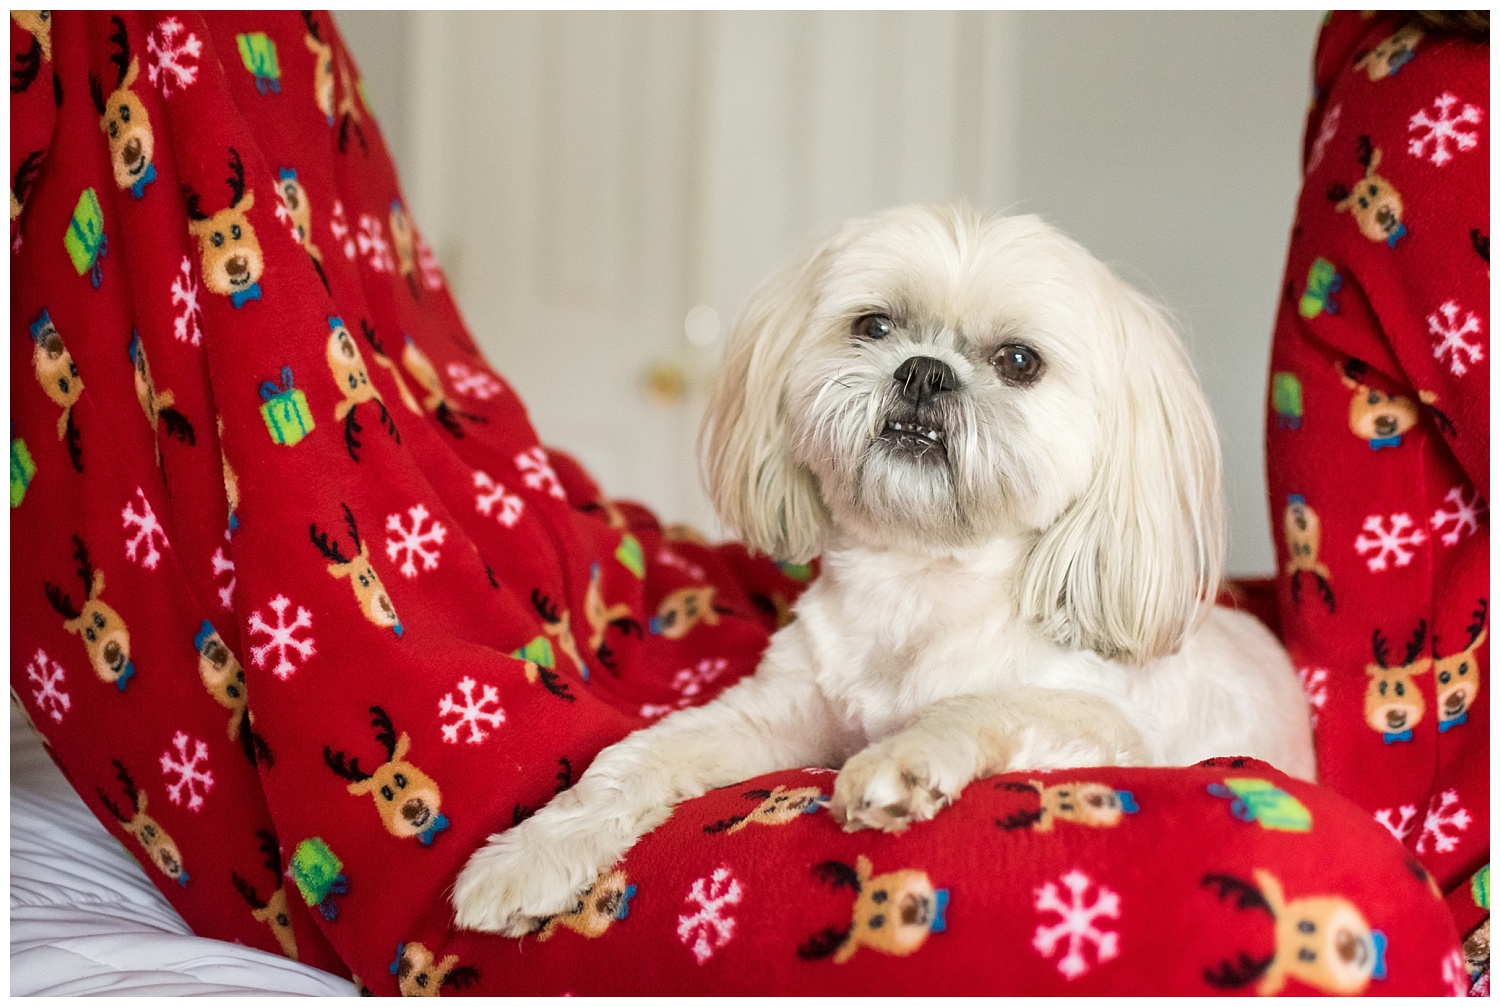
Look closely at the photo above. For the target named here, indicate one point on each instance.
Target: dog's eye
(872, 326)
(1017, 364)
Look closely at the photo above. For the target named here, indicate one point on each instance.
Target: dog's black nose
(922, 378)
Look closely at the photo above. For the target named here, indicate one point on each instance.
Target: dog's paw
(904, 779)
(521, 877)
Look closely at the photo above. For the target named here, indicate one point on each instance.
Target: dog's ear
(1133, 563)
(760, 492)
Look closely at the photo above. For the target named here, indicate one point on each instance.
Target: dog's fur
(1027, 588)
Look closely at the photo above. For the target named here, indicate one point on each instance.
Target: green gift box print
(22, 468)
(285, 410)
(258, 53)
(85, 240)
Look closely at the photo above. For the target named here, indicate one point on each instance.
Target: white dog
(1002, 453)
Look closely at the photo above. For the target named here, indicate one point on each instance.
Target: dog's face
(931, 380)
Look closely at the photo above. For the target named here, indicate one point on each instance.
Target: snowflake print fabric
(331, 572)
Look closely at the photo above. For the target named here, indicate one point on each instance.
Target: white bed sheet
(85, 920)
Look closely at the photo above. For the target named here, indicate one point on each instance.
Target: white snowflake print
(1315, 688)
(1326, 134)
(338, 225)
(46, 677)
(188, 325)
(285, 216)
(477, 384)
(409, 544)
(706, 924)
(1435, 134)
(373, 246)
(191, 776)
(427, 265)
(1450, 342)
(174, 56)
(1464, 517)
(282, 638)
(490, 498)
(667, 557)
(1076, 922)
(1444, 813)
(142, 548)
(1393, 543)
(688, 683)
(1456, 974)
(1402, 827)
(224, 570)
(537, 472)
(470, 712)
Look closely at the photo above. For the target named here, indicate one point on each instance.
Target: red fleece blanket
(304, 611)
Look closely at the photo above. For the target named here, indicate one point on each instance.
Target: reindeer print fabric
(305, 612)
(1378, 438)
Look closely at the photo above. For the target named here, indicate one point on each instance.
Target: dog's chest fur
(891, 633)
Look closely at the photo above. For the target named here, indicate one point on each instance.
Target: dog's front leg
(916, 772)
(771, 720)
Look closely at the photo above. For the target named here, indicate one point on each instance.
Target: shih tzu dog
(1005, 460)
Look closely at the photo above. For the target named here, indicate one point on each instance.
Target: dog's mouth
(915, 440)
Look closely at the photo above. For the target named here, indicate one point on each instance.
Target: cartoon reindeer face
(1374, 202)
(683, 609)
(123, 118)
(777, 807)
(1321, 940)
(1391, 54)
(39, 24)
(406, 798)
(271, 910)
(606, 900)
(294, 200)
(348, 369)
(369, 592)
(229, 253)
(55, 369)
(600, 616)
(893, 914)
(222, 674)
(1375, 416)
(152, 837)
(1457, 675)
(1393, 702)
(1303, 531)
(322, 66)
(419, 974)
(1096, 805)
(104, 635)
(157, 405)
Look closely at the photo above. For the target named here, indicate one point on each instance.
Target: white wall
(634, 165)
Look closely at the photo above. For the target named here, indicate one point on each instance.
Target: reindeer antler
(1247, 896)
(353, 526)
(108, 803)
(121, 56)
(722, 824)
(344, 766)
(1020, 820)
(85, 566)
(1379, 647)
(1337, 192)
(1241, 973)
(1477, 626)
(312, 25)
(823, 943)
(1366, 150)
(271, 849)
(60, 601)
(838, 874)
(369, 333)
(544, 606)
(385, 731)
(123, 775)
(461, 978)
(324, 546)
(191, 201)
(236, 177)
(247, 892)
(26, 174)
(1415, 646)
